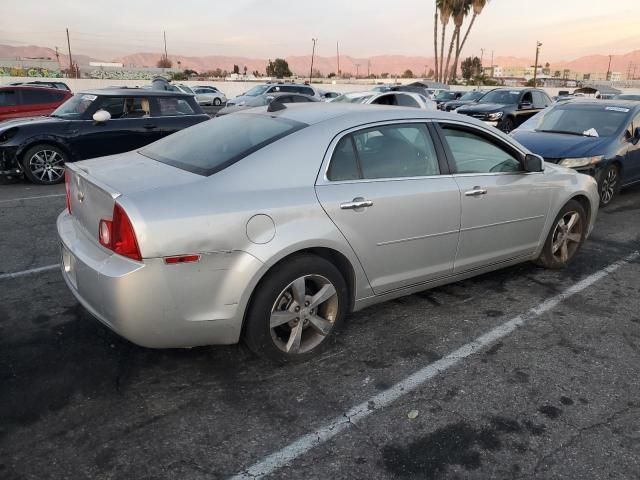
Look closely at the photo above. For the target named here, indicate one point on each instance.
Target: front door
(386, 191)
(631, 173)
(503, 208)
(130, 127)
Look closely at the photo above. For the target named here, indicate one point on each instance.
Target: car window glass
(126, 107)
(395, 151)
(539, 100)
(526, 98)
(209, 147)
(407, 101)
(473, 153)
(36, 96)
(8, 98)
(172, 106)
(344, 163)
(386, 100)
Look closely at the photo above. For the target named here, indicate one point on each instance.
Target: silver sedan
(271, 226)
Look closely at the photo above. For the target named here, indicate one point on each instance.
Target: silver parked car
(400, 99)
(208, 96)
(273, 225)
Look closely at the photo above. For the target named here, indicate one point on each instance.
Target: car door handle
(356, 204)
(149, 126)
(476, 192)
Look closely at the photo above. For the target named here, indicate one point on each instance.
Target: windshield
(472, 96)
(258, 90)
(212, 146)
(352, 98)
(75, 106)
(627, 97)
(446, 95)
(575, 119)
(506, 97)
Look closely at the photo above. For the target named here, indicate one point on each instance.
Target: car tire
(43, 164)
(609, 184)
(281, 329)
(507, 125)
(217, 102)
(566, 236)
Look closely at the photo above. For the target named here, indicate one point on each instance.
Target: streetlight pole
(535, 67)
(313, 53)
(357, 70)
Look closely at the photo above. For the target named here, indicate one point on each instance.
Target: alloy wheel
(47, 165)
(304, 314)
(609, 185)
(567, 236)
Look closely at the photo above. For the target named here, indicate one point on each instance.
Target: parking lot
(557, 397)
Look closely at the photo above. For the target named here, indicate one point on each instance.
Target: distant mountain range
(392, 64)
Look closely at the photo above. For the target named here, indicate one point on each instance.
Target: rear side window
(8, 98)
(390, 151)
(172, 106)
(213, 145)
(36, 96)
(407, 101)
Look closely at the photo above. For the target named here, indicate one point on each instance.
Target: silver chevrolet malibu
(273, 224)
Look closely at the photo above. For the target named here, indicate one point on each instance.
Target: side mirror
(101, 116)
(533, 163)
(636, 135)
(526, 106)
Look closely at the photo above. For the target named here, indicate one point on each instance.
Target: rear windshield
(213, 145)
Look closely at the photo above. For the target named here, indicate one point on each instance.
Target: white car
(209, 96)
(400, 99)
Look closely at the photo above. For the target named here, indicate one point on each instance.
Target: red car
(23, 101)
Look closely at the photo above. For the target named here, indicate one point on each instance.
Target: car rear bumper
(153, 304)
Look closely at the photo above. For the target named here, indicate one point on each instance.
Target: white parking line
(32, 198)
(23, 273)
(307, 442)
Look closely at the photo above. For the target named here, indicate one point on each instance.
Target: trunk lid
(95, 185)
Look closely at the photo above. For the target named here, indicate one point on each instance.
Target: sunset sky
(263, 28)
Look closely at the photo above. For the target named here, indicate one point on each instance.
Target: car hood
(459, 103)
(559, 145)
(240, 99)
(21, 122)
(483, 108)
(232, 109)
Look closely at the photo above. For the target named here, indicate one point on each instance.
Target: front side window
(8, 98)
(126, 107)
(407, 101)
(390, 99)
(211, 146)
(391, 151)
(539, 100)
(173, 106)
(473, 153)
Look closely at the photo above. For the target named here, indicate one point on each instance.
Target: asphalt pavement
(521, 373)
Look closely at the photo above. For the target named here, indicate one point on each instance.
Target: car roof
(322, 111)
(32, 87)
(134, 92)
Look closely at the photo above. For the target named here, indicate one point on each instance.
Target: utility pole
(57, 56)
(481, 56)
(313, 52)
(164, 33)
(609, 69)
(535, 67)
(338, 55)
(71, 69)
(368, 68)
(357, 70)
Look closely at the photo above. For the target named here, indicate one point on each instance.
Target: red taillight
(118, 235)
(67, 187)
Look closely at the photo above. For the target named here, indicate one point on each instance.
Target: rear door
(631, 172)
(40, 101)
(504, 208)
(389, 192)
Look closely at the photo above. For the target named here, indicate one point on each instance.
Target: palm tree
(461, 12)
(459, 9)
(444, 6)
(435, 37)
(478, 6)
